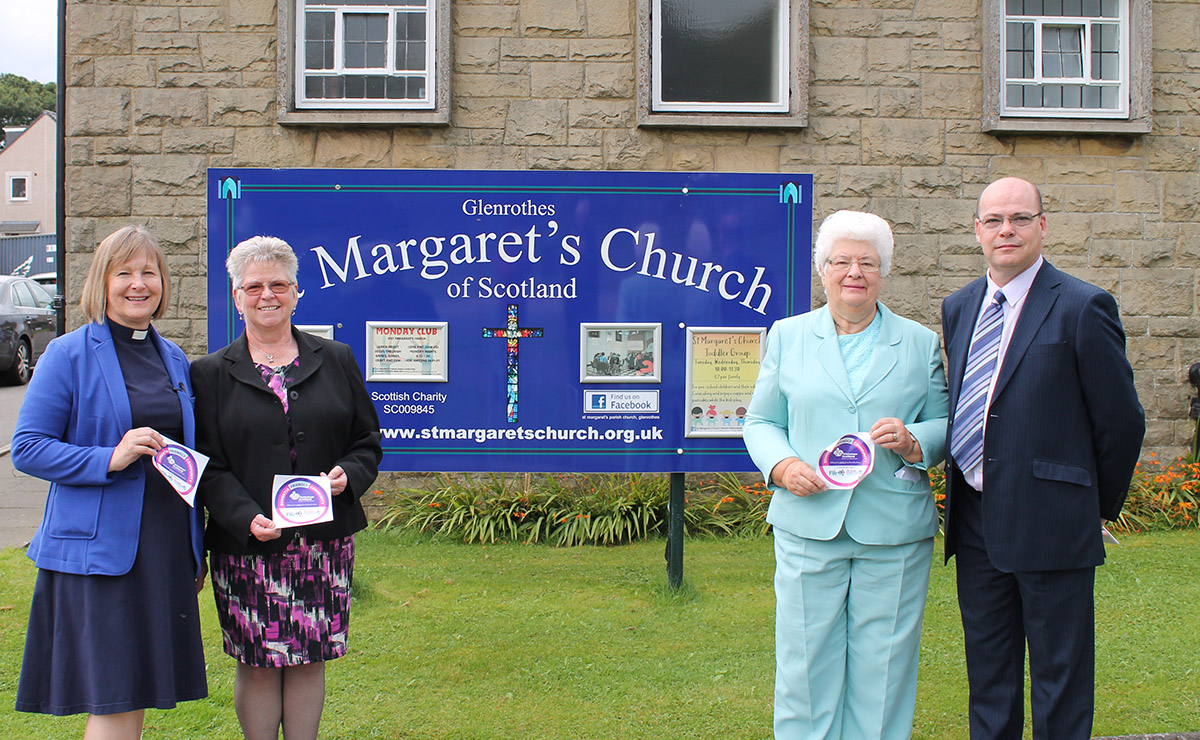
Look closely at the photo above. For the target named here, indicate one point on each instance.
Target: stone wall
(159, 90)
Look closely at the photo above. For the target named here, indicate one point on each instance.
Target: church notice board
(535, 321)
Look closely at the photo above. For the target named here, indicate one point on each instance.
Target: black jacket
(241, 427)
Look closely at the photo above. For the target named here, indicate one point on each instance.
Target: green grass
(530, 642)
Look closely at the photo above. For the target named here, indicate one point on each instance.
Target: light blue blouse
(857, 350)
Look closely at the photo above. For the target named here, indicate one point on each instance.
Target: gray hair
(858, 226)
(263, 250)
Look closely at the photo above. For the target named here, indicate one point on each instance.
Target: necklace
(269, 355)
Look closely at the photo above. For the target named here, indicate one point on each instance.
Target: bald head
(1010, 184)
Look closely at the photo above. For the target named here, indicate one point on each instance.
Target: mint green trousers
(847, 637)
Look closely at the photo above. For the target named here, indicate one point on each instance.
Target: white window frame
(782, 69)
(389, 69)
(8, 186)
(1134, 86)
(294, 108)
(1086, 25)
(791, 112)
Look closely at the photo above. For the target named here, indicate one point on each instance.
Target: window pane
(716, 51)
(1033, 7)
(343, 3)
(355, 85)
(1109, 8)
(1091, 8)
(415, 58)
(1071, 7)
(1091, 97)
(1013, 96)
(1106, 37)
(375, 86)
(1033, 96)
(410, 41)
(365, 40)
(1052, 65)
(318, 40)
(1072, 96)
(1052, 7)
(20, 188)
(1052, 96)
(1108, 98)
(1014, 7)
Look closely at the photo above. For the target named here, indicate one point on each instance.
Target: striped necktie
(966, 438)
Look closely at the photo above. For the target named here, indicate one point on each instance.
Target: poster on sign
(535, 321)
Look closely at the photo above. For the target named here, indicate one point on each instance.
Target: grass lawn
(532, 643)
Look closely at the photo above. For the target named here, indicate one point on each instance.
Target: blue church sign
(535, 321)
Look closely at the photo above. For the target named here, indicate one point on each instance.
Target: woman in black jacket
(278, 401)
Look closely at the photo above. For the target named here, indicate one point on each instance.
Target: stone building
(906, 108)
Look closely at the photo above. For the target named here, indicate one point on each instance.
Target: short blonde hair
(263, 250)
(117, 248)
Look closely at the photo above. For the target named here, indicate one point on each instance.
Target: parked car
(27, 324)
(49, 280)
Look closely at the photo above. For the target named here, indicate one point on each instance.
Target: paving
(22, 497)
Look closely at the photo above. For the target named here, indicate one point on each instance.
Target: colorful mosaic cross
(513, 333)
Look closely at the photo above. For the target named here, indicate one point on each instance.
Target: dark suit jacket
(241, 427)
(1064, 428)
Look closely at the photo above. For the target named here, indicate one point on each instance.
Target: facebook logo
(599, 401)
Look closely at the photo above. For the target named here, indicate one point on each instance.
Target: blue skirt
(109, 644)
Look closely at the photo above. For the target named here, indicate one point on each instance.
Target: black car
(27, 324)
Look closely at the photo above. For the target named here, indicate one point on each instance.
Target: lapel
(1038, 302)
(829, 353)
(110, 369)
(242, 368)
(960, 343)
(177, 372)
(883, 355)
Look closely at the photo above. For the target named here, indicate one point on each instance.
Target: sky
(29, 38)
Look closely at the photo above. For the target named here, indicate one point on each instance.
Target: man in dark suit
(1045, 431)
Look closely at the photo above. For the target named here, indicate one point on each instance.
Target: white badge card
(298, 500)
(182, 467)
(846, 462)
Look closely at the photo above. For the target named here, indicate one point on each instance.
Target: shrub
(1162, 496)
(566, 510)
(569, 510)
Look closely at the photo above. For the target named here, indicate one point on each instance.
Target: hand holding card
(182, 467)
(298, 500)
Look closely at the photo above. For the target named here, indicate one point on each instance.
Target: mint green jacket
(802, 403)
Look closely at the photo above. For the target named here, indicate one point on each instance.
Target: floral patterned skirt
(289, 608)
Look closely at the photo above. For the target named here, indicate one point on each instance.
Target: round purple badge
(178, 466)
(300, 501)
(846, 462)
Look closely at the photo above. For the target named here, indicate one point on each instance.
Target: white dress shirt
(1014, 300)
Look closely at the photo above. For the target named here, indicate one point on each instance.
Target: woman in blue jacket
(114, 627)
(851, 563)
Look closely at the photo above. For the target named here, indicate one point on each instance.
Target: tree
(22, 100)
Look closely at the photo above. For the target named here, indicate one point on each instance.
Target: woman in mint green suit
(852, 565)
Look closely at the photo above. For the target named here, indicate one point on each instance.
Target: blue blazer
(1064, 428)
(803, 402)
(75, 412)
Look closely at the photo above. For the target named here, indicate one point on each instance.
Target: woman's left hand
(337, 479)
(890, 433)
(200, 578)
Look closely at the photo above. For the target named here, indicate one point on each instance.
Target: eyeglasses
(842, 264)
(278, 287)
(1018, 220)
